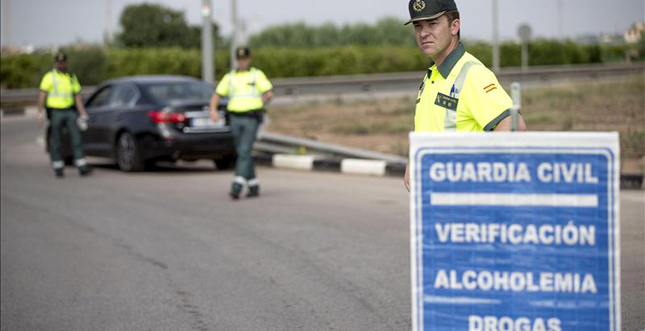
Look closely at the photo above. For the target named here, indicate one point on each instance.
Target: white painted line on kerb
(363, 167)
(513, 199)
(300, 162)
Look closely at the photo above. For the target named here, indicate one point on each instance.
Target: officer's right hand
(214, 115)
(40, 118)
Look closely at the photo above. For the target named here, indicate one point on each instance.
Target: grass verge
(382, 125)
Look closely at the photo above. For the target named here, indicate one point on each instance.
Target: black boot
(59, 173)
(254, 191)
(236, 188)
(84, 170)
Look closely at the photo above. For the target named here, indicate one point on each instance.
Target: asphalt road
(167, 250)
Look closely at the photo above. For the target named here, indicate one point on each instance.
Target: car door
(97, 107)
(122, 101)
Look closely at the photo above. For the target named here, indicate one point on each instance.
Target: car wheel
(226, 162)
(128, 155)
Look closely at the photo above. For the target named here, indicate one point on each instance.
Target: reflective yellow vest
(61, 88)
(460, 95)
(244, 89)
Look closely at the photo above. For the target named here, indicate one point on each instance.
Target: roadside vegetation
(93, 64)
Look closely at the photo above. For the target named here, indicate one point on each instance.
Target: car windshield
(166, 92)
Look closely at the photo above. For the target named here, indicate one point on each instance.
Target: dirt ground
(383, 125)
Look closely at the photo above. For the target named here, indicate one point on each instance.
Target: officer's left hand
(406, 177)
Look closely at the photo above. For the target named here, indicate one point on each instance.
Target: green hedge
(95, 64)
(23, 70)
(346, 60)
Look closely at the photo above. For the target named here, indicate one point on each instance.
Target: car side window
(101, 98)
(123, 95)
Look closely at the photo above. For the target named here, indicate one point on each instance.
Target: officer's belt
(61, 109)
(248, 113)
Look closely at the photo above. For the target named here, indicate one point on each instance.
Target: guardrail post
(516, 95)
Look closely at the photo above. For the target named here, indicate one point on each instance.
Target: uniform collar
(451, 60)
(60, 72)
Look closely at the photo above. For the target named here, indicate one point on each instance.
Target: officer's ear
(455, 26)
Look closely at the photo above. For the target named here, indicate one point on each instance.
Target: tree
(152, 25)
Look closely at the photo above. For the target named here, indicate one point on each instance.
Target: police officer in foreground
(458, 93)
(248, 90)
(60, 89)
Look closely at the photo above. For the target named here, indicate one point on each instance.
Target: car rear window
(166, 92)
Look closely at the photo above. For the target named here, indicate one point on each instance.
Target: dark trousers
(61, 118)
(245, 128)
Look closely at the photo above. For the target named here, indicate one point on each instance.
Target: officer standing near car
(59, 93)
(458, 93)
(248, 90)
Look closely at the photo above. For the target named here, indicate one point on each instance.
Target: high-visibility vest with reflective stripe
(61, 88)
(468, 99)
(244, 89)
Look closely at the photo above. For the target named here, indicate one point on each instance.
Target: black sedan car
(140, 120)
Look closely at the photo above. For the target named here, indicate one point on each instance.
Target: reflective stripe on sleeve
(493, 124)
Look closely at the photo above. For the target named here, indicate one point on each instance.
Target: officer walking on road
(458, 93)
(248, 90)
(61, 91)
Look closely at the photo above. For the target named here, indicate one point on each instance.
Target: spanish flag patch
(490, 88)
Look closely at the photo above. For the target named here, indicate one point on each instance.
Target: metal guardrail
(409, 81)
(283, 144)
(406, 81)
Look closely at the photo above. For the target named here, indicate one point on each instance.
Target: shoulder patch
(490, 87)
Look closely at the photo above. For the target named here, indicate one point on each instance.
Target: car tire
(128, 153)
(224, 163)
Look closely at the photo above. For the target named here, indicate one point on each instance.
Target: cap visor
(425, 18)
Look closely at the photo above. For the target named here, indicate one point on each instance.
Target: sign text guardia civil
(491, 172)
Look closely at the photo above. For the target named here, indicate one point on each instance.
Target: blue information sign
(515, 232)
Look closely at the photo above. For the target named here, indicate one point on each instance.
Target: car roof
(147, 79)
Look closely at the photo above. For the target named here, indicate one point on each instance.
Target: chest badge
(447, 102)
